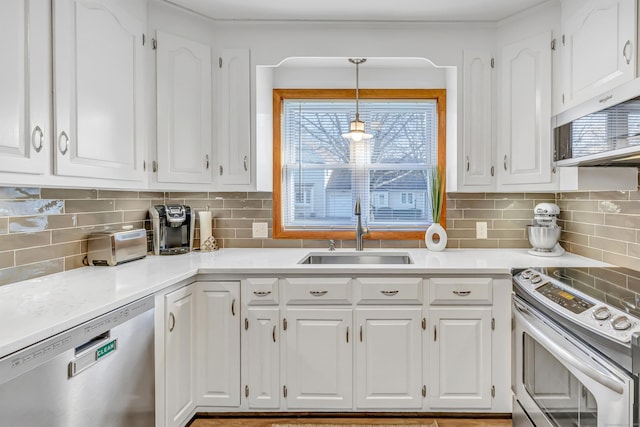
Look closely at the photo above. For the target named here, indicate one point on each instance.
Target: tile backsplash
(45, 230)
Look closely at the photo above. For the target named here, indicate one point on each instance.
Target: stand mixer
(544, 233)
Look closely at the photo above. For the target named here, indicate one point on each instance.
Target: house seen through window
(318, 174)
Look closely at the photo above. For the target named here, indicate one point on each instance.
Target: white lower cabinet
(218, 320)
(261, 356)
(388, 360)
(318, 358)
(334, 344)
(179, 355)
(460, 358)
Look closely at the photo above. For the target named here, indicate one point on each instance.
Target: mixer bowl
(543, 238)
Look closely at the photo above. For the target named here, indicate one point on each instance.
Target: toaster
(115, 247)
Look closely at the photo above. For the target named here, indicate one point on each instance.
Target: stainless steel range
(576, 347)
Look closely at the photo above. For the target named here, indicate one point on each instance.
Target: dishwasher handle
(91, 356)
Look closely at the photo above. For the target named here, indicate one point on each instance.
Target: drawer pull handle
(462, 293)
(318, 293)
(261, 293)
(389, 293)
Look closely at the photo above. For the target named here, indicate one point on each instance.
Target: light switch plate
(260, 230)
(481, 230)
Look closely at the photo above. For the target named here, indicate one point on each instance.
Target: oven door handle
(591, 370)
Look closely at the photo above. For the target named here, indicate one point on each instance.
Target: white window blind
(323, 173)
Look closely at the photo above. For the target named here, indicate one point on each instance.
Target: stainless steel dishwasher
(100, 373)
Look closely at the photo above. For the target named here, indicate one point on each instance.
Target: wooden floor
(266, 422)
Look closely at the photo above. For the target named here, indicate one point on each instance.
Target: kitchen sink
(357, 258)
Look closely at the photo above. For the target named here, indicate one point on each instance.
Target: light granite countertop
(36, 309)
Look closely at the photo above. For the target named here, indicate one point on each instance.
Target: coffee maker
(173, 228)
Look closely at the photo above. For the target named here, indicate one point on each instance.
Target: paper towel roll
(205, 225)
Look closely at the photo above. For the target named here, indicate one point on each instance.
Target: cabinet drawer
(312, 291)
(261, 291)
(388, 290)
(460, 291)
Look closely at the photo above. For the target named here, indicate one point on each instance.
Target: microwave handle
(591, 370)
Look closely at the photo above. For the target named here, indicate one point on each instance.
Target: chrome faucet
(360, 230)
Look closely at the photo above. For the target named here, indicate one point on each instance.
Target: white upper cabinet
(25, 85)
(478, 147)
(235, 117)
(98, 91)
(184, 121)
(599, 52)
(524, 151)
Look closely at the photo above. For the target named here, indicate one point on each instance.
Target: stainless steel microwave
(601, 132)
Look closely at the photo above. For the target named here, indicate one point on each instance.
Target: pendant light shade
(356, 127)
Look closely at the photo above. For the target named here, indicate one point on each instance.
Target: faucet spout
(360, 230)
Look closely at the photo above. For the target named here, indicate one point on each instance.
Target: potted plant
(436, 236)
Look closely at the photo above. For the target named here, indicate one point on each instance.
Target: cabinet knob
(63, 146)
(40, 140)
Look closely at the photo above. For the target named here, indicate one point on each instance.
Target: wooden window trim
(279, 95)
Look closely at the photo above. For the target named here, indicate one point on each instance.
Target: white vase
(435, 237)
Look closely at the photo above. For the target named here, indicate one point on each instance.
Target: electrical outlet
(481, 230)
(260, 230)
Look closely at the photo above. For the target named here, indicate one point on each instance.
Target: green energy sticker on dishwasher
(105, 349)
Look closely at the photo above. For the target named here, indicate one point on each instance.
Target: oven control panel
(578, 307)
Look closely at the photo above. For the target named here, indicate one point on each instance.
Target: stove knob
(536, 279)
(601, 313)
(621, 323)
(526, 275)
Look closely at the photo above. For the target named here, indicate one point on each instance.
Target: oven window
(557, 392)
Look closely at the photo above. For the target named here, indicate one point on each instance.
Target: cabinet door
(235, 117)
(524, 155)
(478, 149)
(460, 358)
(184, 110)
(262, 358)
(179, 369)
(389, 358)
(25, 85)
(98, 84)
(599, 48)
(319, 374)
(218, 343)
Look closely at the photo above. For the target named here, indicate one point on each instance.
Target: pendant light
(356, 127)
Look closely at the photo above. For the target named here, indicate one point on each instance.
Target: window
(318, 174)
